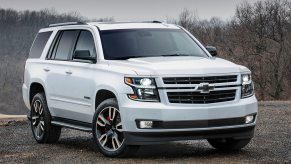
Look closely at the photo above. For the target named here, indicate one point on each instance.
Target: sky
(132, 10)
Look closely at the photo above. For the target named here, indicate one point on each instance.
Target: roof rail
(154, 21)
(66, 23)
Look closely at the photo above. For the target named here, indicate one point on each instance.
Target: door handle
(69, 72)
(46, 69)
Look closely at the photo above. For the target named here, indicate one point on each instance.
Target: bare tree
(258, 37)
(188, 19)
(17, 31)
(264, 41)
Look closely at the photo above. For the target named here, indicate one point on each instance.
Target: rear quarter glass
(39, 44)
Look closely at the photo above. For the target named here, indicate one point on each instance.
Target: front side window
(65, 45)
(132, 43)
(86, 43)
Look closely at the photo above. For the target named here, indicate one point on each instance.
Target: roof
(131, 25)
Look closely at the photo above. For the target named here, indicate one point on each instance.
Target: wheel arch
(103, 94)
(34, 88)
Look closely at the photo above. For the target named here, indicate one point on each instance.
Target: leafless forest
(258, 36)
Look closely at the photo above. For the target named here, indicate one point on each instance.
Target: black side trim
(144, 138)
(87, 97)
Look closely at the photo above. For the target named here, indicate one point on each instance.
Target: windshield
(134, 43)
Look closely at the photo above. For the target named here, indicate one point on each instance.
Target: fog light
(249, 119)
(146, 124)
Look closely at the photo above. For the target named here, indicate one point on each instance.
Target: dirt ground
(271, 144)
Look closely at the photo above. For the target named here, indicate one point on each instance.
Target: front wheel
(108, 131)
(229, 144)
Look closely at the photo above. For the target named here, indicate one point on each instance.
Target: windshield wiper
(128, 57)
(177, 55)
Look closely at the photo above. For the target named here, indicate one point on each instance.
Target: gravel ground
(271, 144)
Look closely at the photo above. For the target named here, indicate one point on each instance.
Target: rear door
(71, 83)
(57, 73)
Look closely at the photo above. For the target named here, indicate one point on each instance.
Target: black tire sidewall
(118, 153)
(230, 144)
(51, 133)
(39, 97)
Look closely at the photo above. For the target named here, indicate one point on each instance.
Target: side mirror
(212, 50)
(84, 55)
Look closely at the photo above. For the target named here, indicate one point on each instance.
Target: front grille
(198, 80)
(201, 98)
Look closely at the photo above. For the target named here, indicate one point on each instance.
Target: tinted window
(65, 45)
(86, 42)
(124, 44)
(39, 44)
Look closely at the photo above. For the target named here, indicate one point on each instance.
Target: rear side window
(65, 45)
(39, 44)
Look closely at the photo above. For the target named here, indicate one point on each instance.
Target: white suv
(132, 84)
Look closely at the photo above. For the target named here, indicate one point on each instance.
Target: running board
(72, 124)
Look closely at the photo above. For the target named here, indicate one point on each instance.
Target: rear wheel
(41, 127)
(229, 144)
(108, 131)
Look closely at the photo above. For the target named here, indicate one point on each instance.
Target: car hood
(178, 65)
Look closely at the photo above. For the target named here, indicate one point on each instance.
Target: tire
(42, 129)
(108, 133)
(229, 144)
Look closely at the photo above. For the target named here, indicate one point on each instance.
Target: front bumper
(187, 121)
(131, 111)
(144, 138)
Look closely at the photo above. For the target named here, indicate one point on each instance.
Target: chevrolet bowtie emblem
(205, 87)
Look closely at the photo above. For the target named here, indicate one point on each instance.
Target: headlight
(247, 88)
(144, 88)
